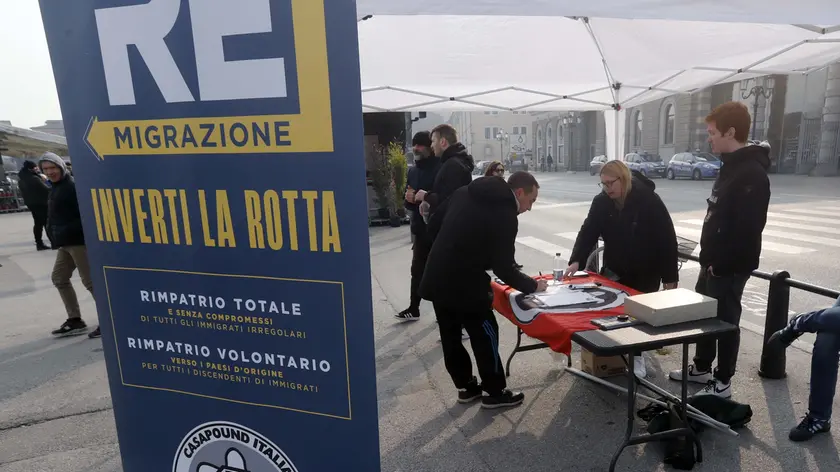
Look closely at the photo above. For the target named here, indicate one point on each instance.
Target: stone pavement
(55, 409)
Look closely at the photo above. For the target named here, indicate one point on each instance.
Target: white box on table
(669, 307)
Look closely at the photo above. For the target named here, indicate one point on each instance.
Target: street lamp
(502, 137)
(757, 91)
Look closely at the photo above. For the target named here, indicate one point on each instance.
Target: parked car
(596, 164)
(697, 165)
(648, 165)
(480, 167)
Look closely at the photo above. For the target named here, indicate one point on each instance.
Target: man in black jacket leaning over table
(730, 242)
(477, 234)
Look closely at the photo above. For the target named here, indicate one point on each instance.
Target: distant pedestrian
(730, 243)
(65, 226)
(36, 194)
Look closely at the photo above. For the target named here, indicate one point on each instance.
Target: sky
(27, 88)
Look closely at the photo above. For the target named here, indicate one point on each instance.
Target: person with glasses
(640, 243)
(495, 168)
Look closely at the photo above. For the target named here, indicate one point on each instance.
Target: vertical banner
(217, 149)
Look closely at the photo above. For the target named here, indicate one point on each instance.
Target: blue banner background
(313, 442)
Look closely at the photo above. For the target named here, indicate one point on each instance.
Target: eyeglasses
(606, 185)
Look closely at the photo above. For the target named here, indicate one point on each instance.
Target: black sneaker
(42, 247)
(71, 327)
(784, 337)
(409, 314)
(808, 428)
(502, 400)
(470, 393)
(95, 333)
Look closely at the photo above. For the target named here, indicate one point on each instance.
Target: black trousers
(480, 324)
(420, 253)
(39, 216)
(727, 290)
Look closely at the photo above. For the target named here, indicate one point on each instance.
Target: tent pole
(615, 131)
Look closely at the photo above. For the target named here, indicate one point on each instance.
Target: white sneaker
(717, 388)
(639, 367)
(694, 375)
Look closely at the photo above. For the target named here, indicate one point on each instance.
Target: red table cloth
(553, 328)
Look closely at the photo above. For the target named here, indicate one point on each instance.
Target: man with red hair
(730, 243)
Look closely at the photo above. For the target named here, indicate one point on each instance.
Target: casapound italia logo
(222, 446)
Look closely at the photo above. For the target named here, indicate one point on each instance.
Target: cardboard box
(601, 366)
(670, 307)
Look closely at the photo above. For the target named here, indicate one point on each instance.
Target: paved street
(802, 234)
(55, 404)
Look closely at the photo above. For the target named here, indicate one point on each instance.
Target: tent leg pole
(699, 417)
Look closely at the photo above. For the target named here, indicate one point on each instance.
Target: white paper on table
(560, 295)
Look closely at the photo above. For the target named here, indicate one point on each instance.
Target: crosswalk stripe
(770, 246)
(835, 209)
(782, 224)
(810, 219)
(687, 265)
(571, 235)
(549, 206)
(544, 246)
(812, 212)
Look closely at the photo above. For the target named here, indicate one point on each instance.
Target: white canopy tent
(579, 56)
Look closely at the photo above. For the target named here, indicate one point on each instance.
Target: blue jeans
(825, 359)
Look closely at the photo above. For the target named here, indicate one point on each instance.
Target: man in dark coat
(421, 177)
(477, 234)
(65, 228)
(455, 172)
(730, 242)
(35, 193)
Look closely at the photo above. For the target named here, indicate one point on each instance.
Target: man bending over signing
(477, 234)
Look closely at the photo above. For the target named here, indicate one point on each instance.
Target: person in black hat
(35, 193)
(420, 177)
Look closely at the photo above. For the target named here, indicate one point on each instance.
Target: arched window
(668, 124)
(637, 130)
(549, 142)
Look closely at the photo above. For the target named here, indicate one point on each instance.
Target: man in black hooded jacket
(421, 177)
(730, 242)
(477, 234)
(455, 172)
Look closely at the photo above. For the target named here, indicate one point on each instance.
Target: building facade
(495, 135)
(55, 127)
(567, 141)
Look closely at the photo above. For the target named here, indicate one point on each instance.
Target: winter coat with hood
(455, 172)
(731, 238)
(64, 223)
(34, 189)
(640, 244)
(421, 177)
(477, 234)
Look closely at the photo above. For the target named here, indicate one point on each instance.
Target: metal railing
(773, 361)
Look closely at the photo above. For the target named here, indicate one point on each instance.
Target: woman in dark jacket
(640, 244)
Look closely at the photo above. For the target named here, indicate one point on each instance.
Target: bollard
(778, 303)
